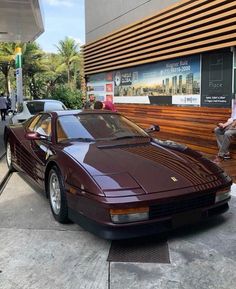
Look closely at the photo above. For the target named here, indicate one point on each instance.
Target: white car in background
(31, 107)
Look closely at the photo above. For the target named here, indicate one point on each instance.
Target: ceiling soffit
(20, 20)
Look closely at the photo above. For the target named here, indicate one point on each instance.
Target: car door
(39, 150)
(25, 158)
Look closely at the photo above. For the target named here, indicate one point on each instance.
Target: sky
(61, 18)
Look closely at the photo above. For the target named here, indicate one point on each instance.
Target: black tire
(9, 157)
(59, 208)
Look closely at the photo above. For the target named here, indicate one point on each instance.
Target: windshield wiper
(79, 139)
(84, 139)
(129, 136)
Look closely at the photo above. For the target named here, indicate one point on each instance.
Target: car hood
(146, 166)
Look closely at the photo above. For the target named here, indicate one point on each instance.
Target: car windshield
(37, 106)
(95, 127)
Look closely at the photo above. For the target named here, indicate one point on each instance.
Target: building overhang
(20, 20)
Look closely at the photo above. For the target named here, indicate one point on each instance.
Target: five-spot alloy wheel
(57, 196)
(9, 157)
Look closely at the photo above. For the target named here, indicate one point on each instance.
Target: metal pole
(19, 82)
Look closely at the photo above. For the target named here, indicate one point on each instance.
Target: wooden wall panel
(188, 27)
(185, 28)
(188, 125)
(174, 34)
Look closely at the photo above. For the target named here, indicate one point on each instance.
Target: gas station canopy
(20, 20)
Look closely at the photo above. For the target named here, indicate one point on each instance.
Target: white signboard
(194, 99)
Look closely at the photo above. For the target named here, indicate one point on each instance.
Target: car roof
(82, 111)
(41, 100)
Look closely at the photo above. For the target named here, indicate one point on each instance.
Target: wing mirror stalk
(153, 128)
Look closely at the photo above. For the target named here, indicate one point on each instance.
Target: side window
(43, 126)
(34, 122)
(35, 106)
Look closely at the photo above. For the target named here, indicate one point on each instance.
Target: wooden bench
(193, 126)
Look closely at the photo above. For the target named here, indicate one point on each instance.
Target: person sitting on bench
(224, 133)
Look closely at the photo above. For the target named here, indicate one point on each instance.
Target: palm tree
(54, 73)
(69, 51)
(31, 59)
(32, 64)
(7, 51)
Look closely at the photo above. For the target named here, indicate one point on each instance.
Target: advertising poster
(177, 80)
(217, 79)
(101, 86)
(171, 82)
(101, 90)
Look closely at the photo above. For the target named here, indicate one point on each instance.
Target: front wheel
(57, 195)
(9, 157)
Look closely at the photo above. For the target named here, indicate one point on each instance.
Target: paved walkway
(37, 252)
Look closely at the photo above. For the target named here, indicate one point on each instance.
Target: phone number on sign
(176, 70)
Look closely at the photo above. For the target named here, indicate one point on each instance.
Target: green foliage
(45, 75)
(2, 83)
(7, 51)
(69, 51)
(70, 97)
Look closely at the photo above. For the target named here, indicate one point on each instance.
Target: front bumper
(151, 227)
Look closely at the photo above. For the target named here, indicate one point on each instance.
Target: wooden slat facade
(191, 126)
(186, 28)
(189, 27)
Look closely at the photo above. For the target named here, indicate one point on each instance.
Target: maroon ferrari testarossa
(104, 172)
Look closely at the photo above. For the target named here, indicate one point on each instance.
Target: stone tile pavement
(36, 252)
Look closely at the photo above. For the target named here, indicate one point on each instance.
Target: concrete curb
(5, 181)
(6, 177)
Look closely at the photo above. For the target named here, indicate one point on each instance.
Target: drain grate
(144, 250)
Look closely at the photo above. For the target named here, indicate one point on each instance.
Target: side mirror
(33, 135)
(153, 128)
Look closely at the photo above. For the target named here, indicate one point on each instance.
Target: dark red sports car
(104, 172)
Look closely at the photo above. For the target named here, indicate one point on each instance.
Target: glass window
(35, 106)
(43, 126)
(94, 127)
(34, 122)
